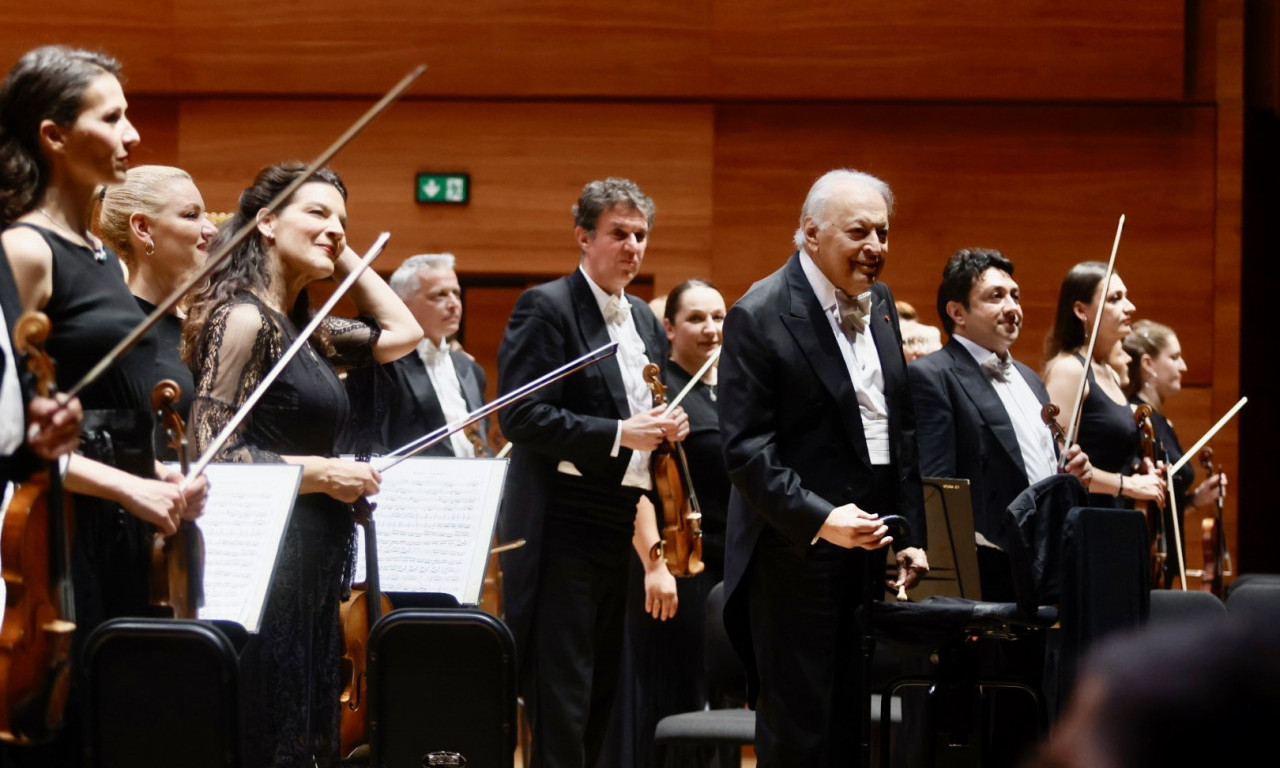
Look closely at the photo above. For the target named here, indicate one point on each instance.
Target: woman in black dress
(237, 328)
(1108, 432)
(1155, 374)
(663, 671)
(64, 133)
(155, 222)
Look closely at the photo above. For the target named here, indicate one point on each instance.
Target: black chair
(442, 689)
(728, 723)
(971, 645)
(1245, 579)
(1105, 585)
(734, 725)
(1169, 606)
(1256, 603)
(161, 692)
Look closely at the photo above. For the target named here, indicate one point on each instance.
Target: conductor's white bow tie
(852, 311)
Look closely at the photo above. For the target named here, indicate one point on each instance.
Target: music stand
(952, 544)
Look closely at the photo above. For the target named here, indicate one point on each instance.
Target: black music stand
(952, 544)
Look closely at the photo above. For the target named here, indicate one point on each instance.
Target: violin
(1154, 513)
(1049, 415)
(35, 548)
(681, 542)
(358, 614)
(177, 561)
(1217, 560)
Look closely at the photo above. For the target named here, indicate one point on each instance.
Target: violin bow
(223, 251)
(1195, 449)
(693, 381)
(303, 338)
(1177, 527)
(1073, 426)
(431, 438)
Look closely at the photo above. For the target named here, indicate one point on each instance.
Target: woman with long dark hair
(237, 328)
(63, 134)
(1108, 432)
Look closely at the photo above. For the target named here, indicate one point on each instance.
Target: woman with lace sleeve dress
(236, 330)
(1108, 433)
(64, 133)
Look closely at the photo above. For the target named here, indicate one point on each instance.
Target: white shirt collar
(427, 347)
(980, 353)
(602, 297)
(823, 288)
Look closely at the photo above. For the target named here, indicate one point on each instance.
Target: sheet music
(434, 524)
(243, 524)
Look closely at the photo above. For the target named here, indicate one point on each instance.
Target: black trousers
(578, 623)
(808, 652)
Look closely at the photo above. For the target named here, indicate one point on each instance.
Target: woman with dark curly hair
(237, 328)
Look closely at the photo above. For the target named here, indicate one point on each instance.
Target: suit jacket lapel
(983, 395)
(654, 348)
(596, 335)
(811, 330)
(888, 345)
(467, 378)
(424, 393)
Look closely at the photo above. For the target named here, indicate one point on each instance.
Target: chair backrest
(161, 692)
(1105, 585)
(1257, 603)
(1244, 579)
(1171, 606)
(1031, 533)
(726, 674)
(441, 681)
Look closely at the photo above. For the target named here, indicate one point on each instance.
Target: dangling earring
(151, 247)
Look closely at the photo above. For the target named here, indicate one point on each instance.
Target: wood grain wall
(1025, 125)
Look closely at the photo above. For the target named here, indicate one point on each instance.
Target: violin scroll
(29, 336)
(1049, 414)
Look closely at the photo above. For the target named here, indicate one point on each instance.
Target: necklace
(99, 252)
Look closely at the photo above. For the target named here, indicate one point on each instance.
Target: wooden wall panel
(824, 49)
(920, 49)
(473, 47)
(528, 163)
(1046, 185)
(139, 33)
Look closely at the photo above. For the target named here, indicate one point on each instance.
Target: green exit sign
(449, 188)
